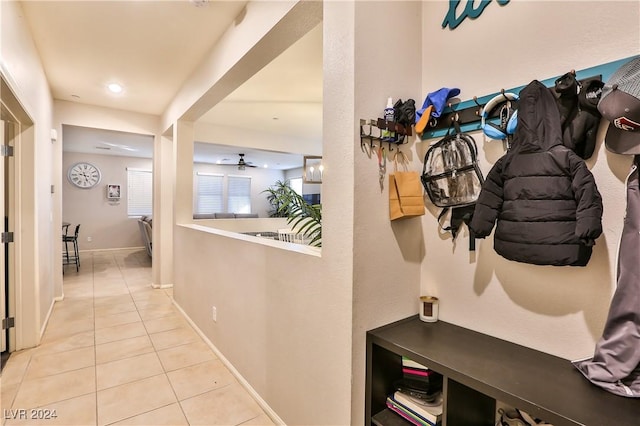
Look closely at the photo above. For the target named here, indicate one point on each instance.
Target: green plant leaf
(303, 217)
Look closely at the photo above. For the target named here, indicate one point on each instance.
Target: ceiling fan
(241, 163)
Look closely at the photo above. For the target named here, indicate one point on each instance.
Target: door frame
(24, 298)
(4, 293)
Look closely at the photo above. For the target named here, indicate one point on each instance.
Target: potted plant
(304, 218)
(276, 196)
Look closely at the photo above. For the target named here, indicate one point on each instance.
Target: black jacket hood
(539, 126)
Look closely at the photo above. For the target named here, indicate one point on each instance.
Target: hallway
(116, 351)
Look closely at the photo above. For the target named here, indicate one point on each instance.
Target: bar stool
(68, 260)
(65, 230)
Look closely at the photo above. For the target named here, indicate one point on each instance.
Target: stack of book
(418, 381)
(418, 395)
(416, 411)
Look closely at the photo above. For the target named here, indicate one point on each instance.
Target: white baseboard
(161, 286)
(46, 319)
(112, 249)
(261, 402)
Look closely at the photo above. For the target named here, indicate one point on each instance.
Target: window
(209, 196)
(296, 185)
(239, 194)
(140, 192)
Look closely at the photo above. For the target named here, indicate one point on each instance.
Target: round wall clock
(84, 175)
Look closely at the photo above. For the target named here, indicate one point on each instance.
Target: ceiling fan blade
(244, 163)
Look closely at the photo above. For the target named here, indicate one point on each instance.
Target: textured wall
(36, 234)
(284, 317)
(280, 321)
(386, 255)
(105, 221)
(560, 310)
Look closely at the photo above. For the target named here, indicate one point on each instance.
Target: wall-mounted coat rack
(382, 131)
(465, 115)
(468, 113)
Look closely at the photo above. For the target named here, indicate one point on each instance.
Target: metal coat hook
(455, 117)
(480, 107)
(470, 112)
(364, 123)
(366, 135)
(390, 132)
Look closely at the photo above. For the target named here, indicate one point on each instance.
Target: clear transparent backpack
(450, 174)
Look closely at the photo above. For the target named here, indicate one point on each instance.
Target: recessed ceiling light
(119, 146)
(114, 88)
(265, 166)
(218, 162)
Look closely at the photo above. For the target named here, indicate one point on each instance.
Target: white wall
(283, 317)
(104, 118)
(273, 327)
(75, 114)
(276, 320)
(38, 235)
(105, 221)
(559, 310)
(244, 48)
(387, 256)
(245, 138)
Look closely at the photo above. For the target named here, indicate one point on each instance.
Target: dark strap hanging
(459, 215)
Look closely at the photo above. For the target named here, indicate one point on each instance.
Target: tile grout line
(140, 414)
(22, 376)
(30, 355)
(155, 351)
(164, 370)
(30, 359)
(138, 307)
(95, 345)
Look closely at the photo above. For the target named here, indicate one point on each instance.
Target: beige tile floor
(117, 352)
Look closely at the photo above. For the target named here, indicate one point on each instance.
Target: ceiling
(84, 45)
(110, 142)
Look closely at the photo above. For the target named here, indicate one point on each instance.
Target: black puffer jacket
(545, 200)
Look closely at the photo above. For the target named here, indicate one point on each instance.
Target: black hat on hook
(620, 105)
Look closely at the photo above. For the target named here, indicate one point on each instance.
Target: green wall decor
(469, 11)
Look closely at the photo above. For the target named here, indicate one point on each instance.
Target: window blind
(139, 192)
(209, 193)
(239, 194)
